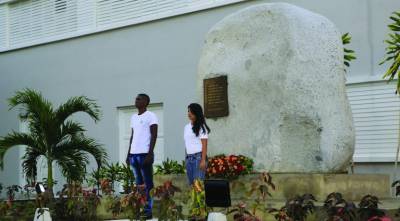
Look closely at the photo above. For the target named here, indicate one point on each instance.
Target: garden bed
(286, 185)
(352, 186)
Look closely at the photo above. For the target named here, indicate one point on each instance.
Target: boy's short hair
(145, 96)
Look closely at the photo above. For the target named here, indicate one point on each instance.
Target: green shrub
(170, 167)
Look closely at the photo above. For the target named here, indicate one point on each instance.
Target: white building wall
(160, 58)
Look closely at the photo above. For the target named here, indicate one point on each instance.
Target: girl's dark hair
(200, 121)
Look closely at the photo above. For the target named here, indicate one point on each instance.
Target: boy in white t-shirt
(144, 127)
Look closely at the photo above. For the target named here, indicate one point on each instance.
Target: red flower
(228, 166)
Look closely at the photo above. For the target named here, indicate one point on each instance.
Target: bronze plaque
(216, 97)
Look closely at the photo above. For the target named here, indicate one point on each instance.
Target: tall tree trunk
(50, 178)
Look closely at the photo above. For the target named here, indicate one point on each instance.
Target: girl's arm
(203, 154)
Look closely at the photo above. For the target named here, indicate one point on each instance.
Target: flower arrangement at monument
(229, 167)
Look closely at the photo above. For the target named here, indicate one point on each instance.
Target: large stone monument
(287, 101)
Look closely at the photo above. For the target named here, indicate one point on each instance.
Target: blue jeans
(193, 170)
(143, 175)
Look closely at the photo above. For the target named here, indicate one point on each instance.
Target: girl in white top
(196, 136)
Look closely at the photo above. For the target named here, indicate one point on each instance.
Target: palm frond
(29, 163)
(72, 162)
(393, 51)
(349, 55)
(91, 147)
(37, 112)
(78, 104)
(84, 145)
(15, 139)
(71, 128)
(72, 169)
(32, 104)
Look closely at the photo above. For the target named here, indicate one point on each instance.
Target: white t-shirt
(141, 131)
(193, 142)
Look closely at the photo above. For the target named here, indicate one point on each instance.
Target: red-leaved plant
(369, 209)
(134, 202)
(261, 187)
(339, 209)
(240, 213)
(295, 209)
(169, 209)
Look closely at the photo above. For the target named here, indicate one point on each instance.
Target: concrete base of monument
(352, 186)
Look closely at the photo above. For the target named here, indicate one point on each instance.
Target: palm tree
(393, 56)
(393, 50)
(54, 136)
